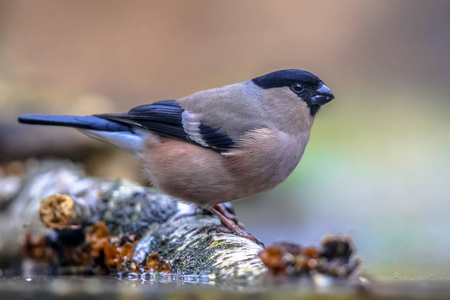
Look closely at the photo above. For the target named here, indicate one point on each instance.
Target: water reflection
(155, 286)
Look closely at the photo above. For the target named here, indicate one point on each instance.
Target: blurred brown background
(377, 165)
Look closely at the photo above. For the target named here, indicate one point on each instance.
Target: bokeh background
(377, 165)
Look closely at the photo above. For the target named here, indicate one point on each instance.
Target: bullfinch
(216, 145)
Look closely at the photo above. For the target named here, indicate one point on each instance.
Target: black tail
(82, 122)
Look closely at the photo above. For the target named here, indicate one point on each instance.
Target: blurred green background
(377, 165)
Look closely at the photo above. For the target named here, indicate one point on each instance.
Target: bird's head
(302, 84)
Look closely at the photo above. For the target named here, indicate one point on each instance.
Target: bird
(216, 145)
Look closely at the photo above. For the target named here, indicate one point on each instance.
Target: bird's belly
(203, 176)
(262, 172)
(266, 159)
(189, 172)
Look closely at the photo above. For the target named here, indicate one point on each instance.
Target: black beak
(323, 95)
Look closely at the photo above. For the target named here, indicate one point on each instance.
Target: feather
(169, 119)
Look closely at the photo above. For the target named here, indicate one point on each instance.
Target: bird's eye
(297, 87)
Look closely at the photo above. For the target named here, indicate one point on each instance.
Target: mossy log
(58, 200)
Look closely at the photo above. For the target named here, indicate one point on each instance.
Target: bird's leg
(232, 226)
(224, 211)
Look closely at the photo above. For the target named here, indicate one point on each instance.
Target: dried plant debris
(333, 258)
(153, 263)
(97, 252)
(36, 249)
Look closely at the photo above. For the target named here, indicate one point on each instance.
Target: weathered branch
(180, 233)
(60, 211)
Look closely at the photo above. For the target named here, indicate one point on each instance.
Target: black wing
(166, 119)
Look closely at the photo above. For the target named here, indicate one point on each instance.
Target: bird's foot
(232, 226)
(227, 214)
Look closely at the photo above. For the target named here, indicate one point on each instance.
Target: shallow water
(136, 287)
(154, 286)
